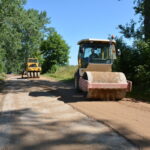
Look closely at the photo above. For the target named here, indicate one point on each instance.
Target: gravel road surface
(35, 115)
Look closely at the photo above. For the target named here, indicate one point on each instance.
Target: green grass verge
(63, 73)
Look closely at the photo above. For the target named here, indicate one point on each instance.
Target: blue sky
(78, 19)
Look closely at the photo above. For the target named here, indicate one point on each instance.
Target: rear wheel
(76, 81)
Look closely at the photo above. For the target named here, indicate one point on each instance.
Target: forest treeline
(25, 33)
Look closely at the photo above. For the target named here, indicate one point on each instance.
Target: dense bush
(135, 60)
(55, 51)
(142, 69)
(135, 63)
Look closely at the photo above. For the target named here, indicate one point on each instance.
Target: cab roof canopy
(95, 41)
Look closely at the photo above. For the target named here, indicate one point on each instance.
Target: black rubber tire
(76, 81)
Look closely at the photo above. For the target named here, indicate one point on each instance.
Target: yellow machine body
(33, 68)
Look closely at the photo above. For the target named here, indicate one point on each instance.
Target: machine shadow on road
(65, 95)
(36, 87)
(64, 91)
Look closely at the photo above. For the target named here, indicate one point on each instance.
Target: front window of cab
(98, 53)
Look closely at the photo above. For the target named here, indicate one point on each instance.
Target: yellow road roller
(94, 75)
(32, 68)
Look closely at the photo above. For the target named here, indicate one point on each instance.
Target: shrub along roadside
(135, 63)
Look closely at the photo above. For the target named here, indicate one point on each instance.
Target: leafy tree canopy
(142, 7)
(55, 51)
(135, 60)
(21, 32)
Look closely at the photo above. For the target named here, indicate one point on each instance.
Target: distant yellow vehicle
(32, 68)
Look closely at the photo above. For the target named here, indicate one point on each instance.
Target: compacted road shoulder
(33, 117)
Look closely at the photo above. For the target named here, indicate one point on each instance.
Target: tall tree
(55, 51)
(21, 32)
(146, 19)
(142, 7)
(137, 58)
(33, 29)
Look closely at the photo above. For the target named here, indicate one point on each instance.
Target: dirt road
(35, 115)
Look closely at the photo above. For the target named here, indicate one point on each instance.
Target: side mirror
(119, 52)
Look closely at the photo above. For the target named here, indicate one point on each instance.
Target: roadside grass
(63, 73)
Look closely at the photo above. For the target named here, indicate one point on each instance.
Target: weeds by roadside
(63, 73)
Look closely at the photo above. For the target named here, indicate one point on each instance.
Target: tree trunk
(147, 19)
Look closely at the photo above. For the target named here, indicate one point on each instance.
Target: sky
(79, 19)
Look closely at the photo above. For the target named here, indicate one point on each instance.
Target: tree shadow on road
(25, 129)
(21, 129)
(36, 88)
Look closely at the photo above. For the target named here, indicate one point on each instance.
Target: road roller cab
(32, 68)
(96, 51)
(94, 74)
